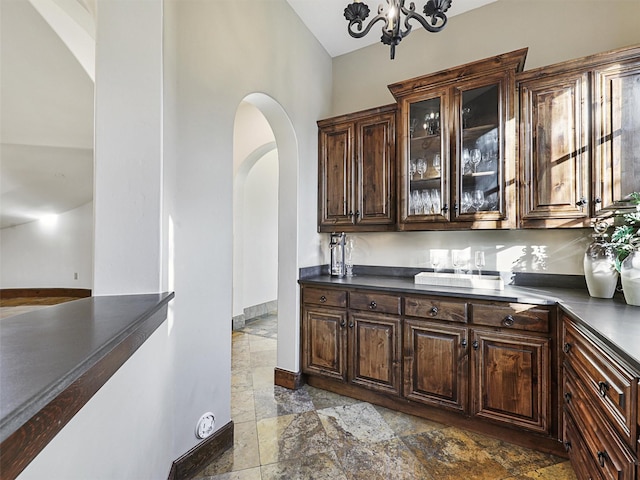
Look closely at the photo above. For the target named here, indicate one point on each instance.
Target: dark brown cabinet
(456, 133)
(600, 407)
(511, 379)
(356, 171)
(436, 364)
(360, 345)
(578, 138)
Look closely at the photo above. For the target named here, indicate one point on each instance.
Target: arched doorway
(283, 138)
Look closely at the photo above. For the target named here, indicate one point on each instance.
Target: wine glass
(457, 260)
(414, 123)
(466, 202)
(436, 162)
(478, 199)
(416, 200)
(412, 168)
(421, 167)
(476, 158)
(435, 201)
(466, 159)
(480, 262)
(435, 260)
(426, 202)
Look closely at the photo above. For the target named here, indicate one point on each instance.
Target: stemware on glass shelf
(476, 158)
(480, 262)
(416, 202)
(412, 168)
(421, 167)
(436, 163)
(426, 202)
(466, 160)
(466, 202)
(435, 201)
(478, 199)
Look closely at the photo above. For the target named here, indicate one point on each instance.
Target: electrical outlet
(206, 425)
(75, 275)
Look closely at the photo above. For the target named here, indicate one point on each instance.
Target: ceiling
(326, 21)
(46, 148)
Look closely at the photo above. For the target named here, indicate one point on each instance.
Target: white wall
(260, 232)
(553, 31)
(47, 255)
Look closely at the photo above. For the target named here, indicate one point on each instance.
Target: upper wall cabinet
(356, 171)
(457, 157)
(579, 138)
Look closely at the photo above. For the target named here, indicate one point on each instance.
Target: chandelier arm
(432, 26)
(358, 22)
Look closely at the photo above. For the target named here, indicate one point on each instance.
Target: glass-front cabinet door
(425, 171)
(479, 192)
(457, 146)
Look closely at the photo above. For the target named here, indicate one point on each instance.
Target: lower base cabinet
(511, 379)
(428, 351)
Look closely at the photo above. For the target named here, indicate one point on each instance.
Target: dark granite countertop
(43, 352)
(611, 320)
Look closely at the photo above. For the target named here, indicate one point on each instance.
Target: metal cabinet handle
(323, 299)
(603, 387)
(343, 322)
(373, 305)
(567, 397)
(433, 311)
(567, 445)
(582, 202)
(508, 321)
(566, 348)
(357, 213)
(602, 456)
(475, 344)
(350, 323)
(444, 208)
(464, 343)
(350, 214)
(598, 201)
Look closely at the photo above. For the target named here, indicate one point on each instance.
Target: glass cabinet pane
(427, 166)
(479, 157)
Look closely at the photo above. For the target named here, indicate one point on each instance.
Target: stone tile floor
(314, 434)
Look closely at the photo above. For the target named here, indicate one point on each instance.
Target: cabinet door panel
(616, 128)
(375, 352)
(435, 364)
(376, 164)
(324, 342)
(334, 176)
(511, 379)
(555, 149)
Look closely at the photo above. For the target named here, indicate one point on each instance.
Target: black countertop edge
(84, 331)
(610, 320)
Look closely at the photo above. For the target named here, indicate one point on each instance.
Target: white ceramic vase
(630, 276)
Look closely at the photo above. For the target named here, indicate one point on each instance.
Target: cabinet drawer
(518, 316)
(375, 302)
(581, 462)
(613, 459)
(434, 308)
(324, 296)
(607, 382)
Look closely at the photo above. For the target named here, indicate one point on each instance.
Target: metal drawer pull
(433, 311)
(508, 321)
(566, 348)
(351, 324)
(464, 343)
(373, 305)
(567, 397)
(323, 299)
(603, 387)
(343, 322)
(602, 456)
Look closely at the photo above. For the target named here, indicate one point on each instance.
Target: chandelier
(392, 31)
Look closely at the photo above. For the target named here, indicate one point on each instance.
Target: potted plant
(625, 241)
